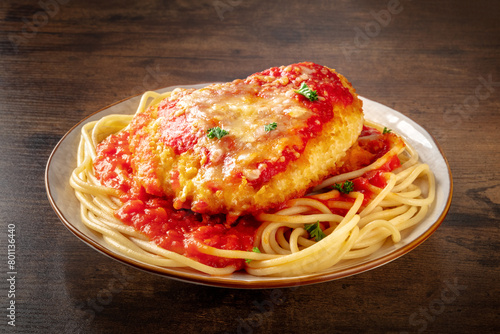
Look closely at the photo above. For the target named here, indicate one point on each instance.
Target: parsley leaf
(315, 231)
(255, 250)
(271, 126)
(312, 95)
(216, 132)
(345, 187)
(386, 130)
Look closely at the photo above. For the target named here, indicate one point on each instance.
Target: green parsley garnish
(345, 187)
(386, 130)
(271, 126)
(312, 95)
(315, 231)
(216, 132)
(255, 250)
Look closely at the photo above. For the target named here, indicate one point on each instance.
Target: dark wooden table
(435, 61)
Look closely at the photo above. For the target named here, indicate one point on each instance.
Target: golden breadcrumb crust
(184, 178)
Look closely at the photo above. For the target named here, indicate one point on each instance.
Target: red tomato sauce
(178, 231)
(112, 164)
(368, 152)
(176, 130)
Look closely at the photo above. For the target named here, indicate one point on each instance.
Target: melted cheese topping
(238, 109)
(207, 174)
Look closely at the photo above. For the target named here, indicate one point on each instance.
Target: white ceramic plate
(63, 159)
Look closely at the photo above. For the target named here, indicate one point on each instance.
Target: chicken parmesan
(277, 174)
(248, 145)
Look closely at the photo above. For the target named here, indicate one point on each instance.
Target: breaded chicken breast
(249, 145)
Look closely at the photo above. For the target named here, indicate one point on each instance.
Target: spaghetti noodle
(390, 194)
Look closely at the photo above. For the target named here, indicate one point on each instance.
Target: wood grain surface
(437, 62)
